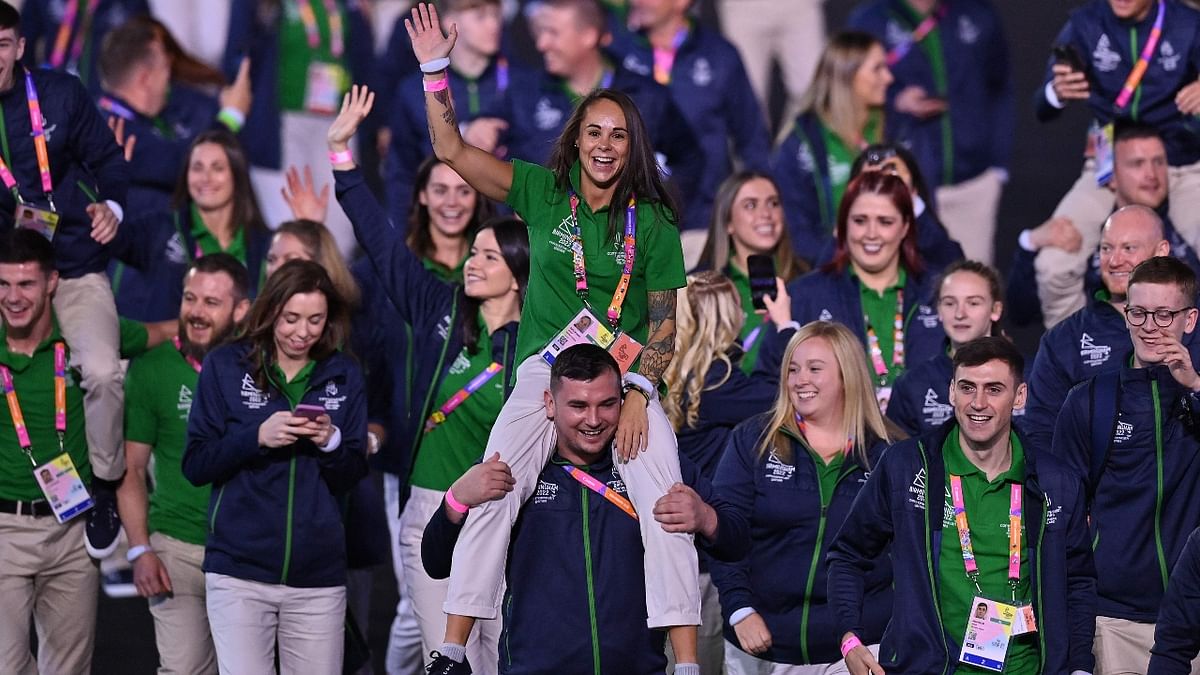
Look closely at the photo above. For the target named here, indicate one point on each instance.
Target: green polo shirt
(158, 397)
(295, 55)
(827, 474)
(293, 390)
(450, 276)
(753, 320)
(33, 381)
(987, 504)
(208, 244)
(840, 157)
(880, 312)
(446, 452)
(551, 300)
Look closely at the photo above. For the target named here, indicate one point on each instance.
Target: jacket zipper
(287, 537)
(937, 606)
(1158, 485)
(1038, 573)
(591, 587)
(212, 522)
(816, 558)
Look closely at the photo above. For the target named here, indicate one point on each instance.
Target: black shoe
(103, 522)
(444, 665)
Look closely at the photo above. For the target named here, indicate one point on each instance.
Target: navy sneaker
(103, 522)
(444, 665)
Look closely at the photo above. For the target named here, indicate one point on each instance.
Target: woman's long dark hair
(513, 238)
(294, 277)
(890, 186)
(419, 240)
(245, 206)
(640, 176)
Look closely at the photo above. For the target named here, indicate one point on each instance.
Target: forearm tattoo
(660, 347)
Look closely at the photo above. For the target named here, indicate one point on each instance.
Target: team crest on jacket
(1123, 433)
(252, 397)
(1168, 59)
(633, 64)
(546, 116)
(332, 400)
(176, 250)
(778, 471)
(1103, 57)
(934, 410)
(968, 32)
(825, 315)
(1092, 354)
(702, 74)
(545, 492)
(929, 318)
(916, 491)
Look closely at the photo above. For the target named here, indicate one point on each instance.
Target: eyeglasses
(1163, 318)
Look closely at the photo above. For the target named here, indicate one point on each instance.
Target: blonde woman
(841, 114)
(795, 470)
(709, 396)
(748, 220)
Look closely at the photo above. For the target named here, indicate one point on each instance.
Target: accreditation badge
(883, 394)
(586, 329)
(60, 482)
(41, 221)
(990, 627)
(325, 84)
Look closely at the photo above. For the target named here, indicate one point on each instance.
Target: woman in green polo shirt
(602, 238)
(748, 220)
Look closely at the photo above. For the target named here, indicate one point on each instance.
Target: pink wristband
(454, 504)
(341, 157)
(436, 85)
(847, 644)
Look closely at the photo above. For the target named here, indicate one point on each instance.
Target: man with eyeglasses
(1134, 435)
(1095, 339)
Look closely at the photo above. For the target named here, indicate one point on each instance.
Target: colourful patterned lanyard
(190, 359)
(964, 534)
(39, 145)
(461, 395)
(60, 402)
(601, 489)
(581, 283)
(748, 343)
(881, 369)
(664, 59)
(1139, 68)
(923, 29)
(308, 16)
(63, 39)
(108, 105)
(800, 422)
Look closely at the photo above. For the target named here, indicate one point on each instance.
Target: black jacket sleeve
(1177, 633)
(437, 544)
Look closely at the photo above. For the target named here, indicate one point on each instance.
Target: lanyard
(501, 75)
(605, 82)
(923, 29)
(109, 105)
(964, 534)
(664, 59)
(461, 395)
(881, 369)
(63, 39)
(1143, 63)
(581, 283)
(60, 402)
(601, 489)
(800, 422)
(308, 17)
(748, 343)
(39, 145)
(190, 359)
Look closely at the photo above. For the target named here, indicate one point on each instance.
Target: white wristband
(136, 552)
(436, 65)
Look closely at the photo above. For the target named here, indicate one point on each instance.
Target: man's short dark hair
(589, 13)
(123, 49)
(10, 18)
(463, 5)
(21, 245)
(989, 348)
(215, 263)
(582, 363)
(1128, 130)
(1165, 269)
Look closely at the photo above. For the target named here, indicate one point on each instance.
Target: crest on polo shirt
(460, 364)
(560, 238)
(546, 116)
(633, 64)
(184, 406)
(702, 73)
(1168, 58)
(1103, 57)
(1092, 354)
(968, 32)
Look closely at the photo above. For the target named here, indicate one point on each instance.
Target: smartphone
(762, 278)
(1066, 55)
(309, 411)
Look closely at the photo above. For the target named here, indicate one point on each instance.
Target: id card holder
(324, 86)
(989, 629)
(1100, 140)
(882, 396)
(583, 329)
(1025, 621)
(42, 221)
(625, 350)
(60, 482)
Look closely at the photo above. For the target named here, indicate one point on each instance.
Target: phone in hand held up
(1066, 55)
(761, 269)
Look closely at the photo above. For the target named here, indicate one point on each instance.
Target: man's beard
(198, 352)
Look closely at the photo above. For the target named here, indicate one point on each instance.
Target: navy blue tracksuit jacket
(1177, 632)
(1146, 498)
(891, 509)
(784, 576)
